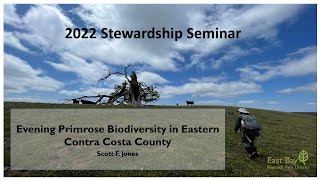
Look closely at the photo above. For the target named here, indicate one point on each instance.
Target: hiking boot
(253, 155)
(258, 154)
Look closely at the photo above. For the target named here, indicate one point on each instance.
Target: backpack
(250, 123)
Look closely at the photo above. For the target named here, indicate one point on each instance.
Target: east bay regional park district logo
(289, 163)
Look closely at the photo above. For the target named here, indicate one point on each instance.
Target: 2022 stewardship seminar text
(152, 33)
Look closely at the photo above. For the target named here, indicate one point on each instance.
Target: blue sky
(271, 66)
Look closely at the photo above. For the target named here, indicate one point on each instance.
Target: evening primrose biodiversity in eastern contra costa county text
(112, 129)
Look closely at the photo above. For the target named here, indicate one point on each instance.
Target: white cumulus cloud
(21, 77)
(45, 26)
(300, 63)
(10, 16)
(11, 40)
(87, 92)
(312, 87)
(247, 102)
(30, 99)
(273, 102)
(88, 72)
(211, 89)
(151, 78)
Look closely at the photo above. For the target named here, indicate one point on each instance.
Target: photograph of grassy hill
(284, 135)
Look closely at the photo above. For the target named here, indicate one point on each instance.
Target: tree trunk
(135, 90)
(136, 102)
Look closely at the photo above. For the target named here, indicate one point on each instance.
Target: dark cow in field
(87, 102)
(190, 102)
(75, 101)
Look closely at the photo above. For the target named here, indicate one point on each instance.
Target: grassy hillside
(285, 135)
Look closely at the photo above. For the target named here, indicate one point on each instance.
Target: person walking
(249, 129)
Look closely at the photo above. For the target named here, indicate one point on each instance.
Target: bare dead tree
(81, 99)
(110, 73)
(130, 92)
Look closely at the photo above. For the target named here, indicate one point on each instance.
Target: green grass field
(285, 135)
